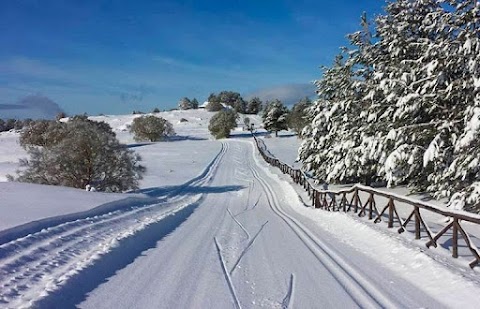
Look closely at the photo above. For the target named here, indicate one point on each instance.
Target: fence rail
(389, 211)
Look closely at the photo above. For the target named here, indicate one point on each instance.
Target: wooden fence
(350, 200)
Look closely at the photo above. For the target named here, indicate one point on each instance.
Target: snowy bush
(42, 133)
(222, 123)
(87, 154)
(151, 128)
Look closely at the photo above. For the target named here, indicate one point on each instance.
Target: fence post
(391, 206)
(455, 238)
(355, 200)
(417, 222)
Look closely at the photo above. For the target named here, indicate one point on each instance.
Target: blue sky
(113, 57)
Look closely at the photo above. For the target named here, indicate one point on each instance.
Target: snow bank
(23, 203)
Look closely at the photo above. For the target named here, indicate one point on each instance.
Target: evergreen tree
(461, 178)
(222, 123)
(229, 98)
(185, 104)
(405, 108)
(336, 148)
(213, 98)
(194, 103)
(275, 116)
(254, 106)
(297, 118)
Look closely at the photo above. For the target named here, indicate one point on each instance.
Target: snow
(24, 202)
(211, 226)
(10, 152)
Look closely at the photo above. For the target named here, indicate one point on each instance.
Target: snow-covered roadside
(407, 260)
(284, 147)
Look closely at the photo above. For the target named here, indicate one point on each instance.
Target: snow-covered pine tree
(275, 116)
(461, 180)
(411, 75)
(298, 116)
(194, 103)
(417, 93)
(185, 103)
(334, 144)
(320, 148)
(254, 106)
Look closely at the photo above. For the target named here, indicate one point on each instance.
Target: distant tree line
(13, 124)
(275, 117)
(235, 101)
(185, 103)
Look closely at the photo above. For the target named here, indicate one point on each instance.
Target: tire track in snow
(32, 266)
(362, 291)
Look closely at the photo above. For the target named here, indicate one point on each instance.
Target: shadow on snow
(173, 190)
(175, 138)
(77, 288)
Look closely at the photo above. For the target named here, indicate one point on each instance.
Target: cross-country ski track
(228, 238)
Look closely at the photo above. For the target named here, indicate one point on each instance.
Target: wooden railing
(391, 208)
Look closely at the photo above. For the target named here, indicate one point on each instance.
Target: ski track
(249, 245)
(363, 292)
(227, 275)
(288, 300)
(41, 262)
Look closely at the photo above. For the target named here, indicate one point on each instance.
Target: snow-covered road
(228, 238)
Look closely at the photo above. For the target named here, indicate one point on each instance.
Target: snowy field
(212, 225)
